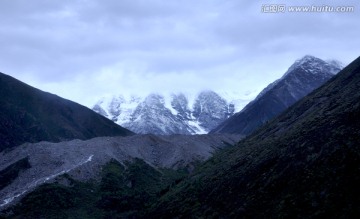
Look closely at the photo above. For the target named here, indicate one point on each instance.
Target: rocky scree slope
(31, 115)
(304, 76)
(28, 166)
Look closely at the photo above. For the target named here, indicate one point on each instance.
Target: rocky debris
(83, 160)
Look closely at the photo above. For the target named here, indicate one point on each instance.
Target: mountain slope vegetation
(304, 164)
(125, 189)
(31, 115)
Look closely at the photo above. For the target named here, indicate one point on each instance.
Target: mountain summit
(170, 114)
(304, 76)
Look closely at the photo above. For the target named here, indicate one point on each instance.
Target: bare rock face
(181, 104)
(83, 160)
(210, 110)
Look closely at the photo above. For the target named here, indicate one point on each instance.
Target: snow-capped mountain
(304, 76)
(171, 113)
(152, 116)
(210, 109)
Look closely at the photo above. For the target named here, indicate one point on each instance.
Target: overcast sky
(84, 49)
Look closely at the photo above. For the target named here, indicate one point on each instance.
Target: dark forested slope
(304, 164)
(31, 115)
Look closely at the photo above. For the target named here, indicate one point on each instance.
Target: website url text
(281, 8)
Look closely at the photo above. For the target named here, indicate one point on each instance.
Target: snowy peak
(180, 104)
(154, 100)
(309, 65)
(210, 109)
(335, 66)
(181, 113)
(315, 65)
(117, 108)
(151, 116)
(304, 76)
(171, 113)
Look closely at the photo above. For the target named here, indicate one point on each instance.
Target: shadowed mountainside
(31, 115)
(304, 164)
(304, 76)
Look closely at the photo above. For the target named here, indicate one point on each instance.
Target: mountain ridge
(304, 76)
(303, 164)
(181, 113)
(28, 114)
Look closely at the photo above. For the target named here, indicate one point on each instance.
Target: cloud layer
(83, 49)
